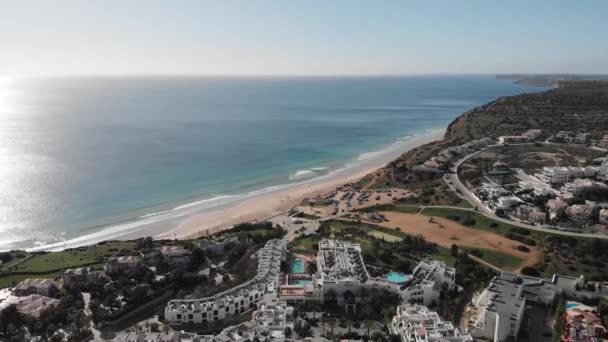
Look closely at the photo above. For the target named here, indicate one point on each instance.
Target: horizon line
(371, 75)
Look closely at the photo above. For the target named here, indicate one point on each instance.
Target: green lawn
(11, 281)
(385, 236)
(74, 257)
(444, 255)
(307, 242)
(390, 235)
(498, 259)
(408, 209)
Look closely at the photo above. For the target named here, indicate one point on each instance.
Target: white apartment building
(82, 276)
(512, 139)
(416, 323)
(428, 279)
(267, 324)
(240, 299)
(126, 264)
(581, 186)
(275, 316)
(175, 256)
(501, 309)
(554, 206)
(502, 304)
(554, 175)
(40, 286)
(563, 174)
(340, 268)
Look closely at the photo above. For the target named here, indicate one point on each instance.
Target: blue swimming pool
(571, 305)
(301, 281)
(397, 277)
(297, 266)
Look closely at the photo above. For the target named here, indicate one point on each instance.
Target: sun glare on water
(7, 94)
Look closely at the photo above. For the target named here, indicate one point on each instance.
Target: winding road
(453, 181)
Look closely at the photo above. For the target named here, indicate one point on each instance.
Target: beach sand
(265, 205)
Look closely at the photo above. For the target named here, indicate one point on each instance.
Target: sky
(301, 37)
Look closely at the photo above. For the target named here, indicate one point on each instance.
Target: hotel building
(240, 299)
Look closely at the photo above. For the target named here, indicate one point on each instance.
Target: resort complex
(342, 274)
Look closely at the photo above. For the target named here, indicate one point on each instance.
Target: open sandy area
(445, 233)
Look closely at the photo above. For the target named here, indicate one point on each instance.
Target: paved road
(453, 181)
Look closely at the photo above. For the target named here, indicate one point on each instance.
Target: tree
(197, 258)
(10, 316)
(332, 325)
(454, 250)
(368, 324)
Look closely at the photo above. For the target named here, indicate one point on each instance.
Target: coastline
(207, 216)
(278, 201)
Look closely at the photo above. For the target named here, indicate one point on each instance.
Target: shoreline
(207, 216)
(280, 201)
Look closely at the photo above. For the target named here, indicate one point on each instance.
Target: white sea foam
(141, 226)
(302, 174)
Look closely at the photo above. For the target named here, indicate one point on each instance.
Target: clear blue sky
(292, 37)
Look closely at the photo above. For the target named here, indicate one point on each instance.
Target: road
(453, 181)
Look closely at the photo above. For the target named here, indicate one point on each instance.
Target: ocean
(84, 156)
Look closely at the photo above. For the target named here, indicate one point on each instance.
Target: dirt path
(445, 233)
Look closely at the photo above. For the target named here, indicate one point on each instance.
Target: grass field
(385, 236)
(12, 280)
(408, 209)
(308, 242)
(481, 222)
(73, 257)
(498, 259)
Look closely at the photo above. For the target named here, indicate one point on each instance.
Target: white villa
(428, 280)
(416, 323)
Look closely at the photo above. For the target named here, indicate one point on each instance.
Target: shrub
(530, 271)
(477, 253)
(469, 221)
(453, 217)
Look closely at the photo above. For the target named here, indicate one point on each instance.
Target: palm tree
(332, 325)
(368, 324)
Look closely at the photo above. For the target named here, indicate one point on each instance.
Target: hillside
(575, 106)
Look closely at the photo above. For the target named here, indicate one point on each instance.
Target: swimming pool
(571, 305)
(297, 266)
(301, 281)
(397, 277)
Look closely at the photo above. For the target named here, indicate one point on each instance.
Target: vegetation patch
(496, 258)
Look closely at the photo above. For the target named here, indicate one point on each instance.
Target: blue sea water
(81, 153)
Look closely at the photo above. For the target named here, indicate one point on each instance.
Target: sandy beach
(275, 202)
